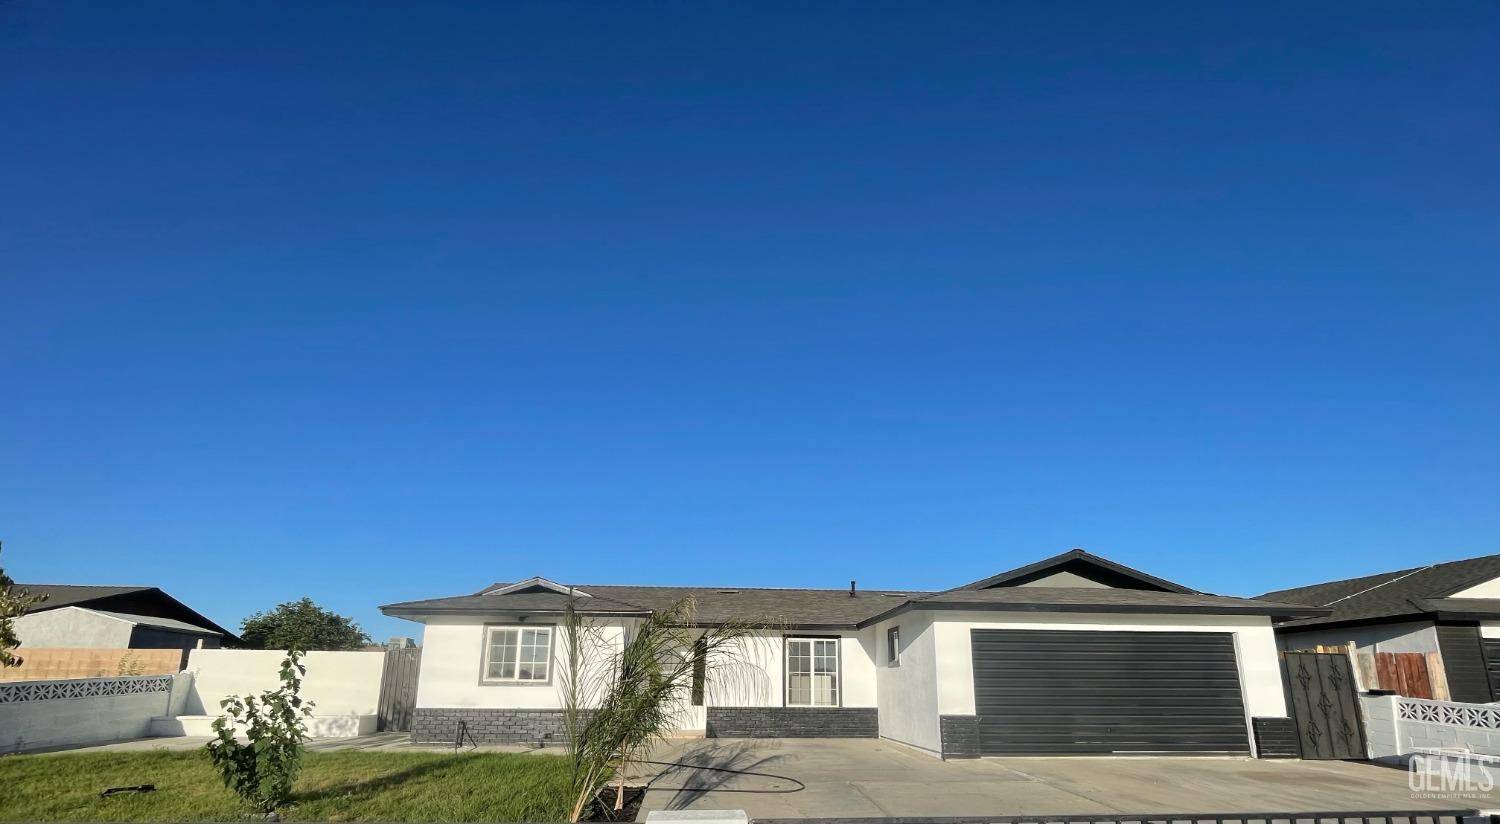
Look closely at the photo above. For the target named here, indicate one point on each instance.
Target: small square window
(893, 647)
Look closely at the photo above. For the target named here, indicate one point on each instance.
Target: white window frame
(519, 629)
(816, 648)
(893, 646)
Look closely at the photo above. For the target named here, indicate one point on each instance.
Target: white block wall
(1393, 739)
(339, 683)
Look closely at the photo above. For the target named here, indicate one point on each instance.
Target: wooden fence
(49, 663)
(1410, 674)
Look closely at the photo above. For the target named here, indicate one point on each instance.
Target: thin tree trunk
(620, 787)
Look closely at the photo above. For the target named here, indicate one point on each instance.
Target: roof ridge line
(1381, 584)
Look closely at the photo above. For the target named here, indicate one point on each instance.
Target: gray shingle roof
(62, 595)
(834, 608)
(160, 623)
(790, 607)
(1402, 592)
(1107, 599)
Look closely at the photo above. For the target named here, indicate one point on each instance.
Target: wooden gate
(1321, 689)
(398, 689)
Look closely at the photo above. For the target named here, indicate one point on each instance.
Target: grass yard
(332, 786)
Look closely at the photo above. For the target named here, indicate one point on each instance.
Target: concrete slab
(774, 778)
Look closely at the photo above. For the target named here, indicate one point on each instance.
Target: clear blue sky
(380, 302)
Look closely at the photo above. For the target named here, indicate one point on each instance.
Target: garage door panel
(1080, 692)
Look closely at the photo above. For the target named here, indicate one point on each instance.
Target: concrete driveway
(785, 778)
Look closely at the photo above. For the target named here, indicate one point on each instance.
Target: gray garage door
(1040, 692)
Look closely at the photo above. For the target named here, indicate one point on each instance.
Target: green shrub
(261, 770)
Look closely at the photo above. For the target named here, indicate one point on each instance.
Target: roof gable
(534, 584)
(1077, 568)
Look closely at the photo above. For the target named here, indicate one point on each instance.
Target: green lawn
(333, 786)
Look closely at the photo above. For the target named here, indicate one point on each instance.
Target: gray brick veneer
(793, 722)
(960, 735)
(431, 725)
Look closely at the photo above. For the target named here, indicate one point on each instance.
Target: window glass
(812, 672)
(518, 654)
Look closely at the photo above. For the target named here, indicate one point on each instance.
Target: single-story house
(1452, 609)
(115, 617)
(1074, 654)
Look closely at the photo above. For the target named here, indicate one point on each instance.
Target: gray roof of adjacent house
(1402, 594)
(843, 609)
(138, 604)
(159, 623)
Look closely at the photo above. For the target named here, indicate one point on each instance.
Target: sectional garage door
(1040, 692)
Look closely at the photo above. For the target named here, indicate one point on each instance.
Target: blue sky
(379, 302)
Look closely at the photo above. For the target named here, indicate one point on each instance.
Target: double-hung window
(517, 654)
(812, 672)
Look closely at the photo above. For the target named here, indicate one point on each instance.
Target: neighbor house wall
(1406, 636)
(145, 637)
(1488, 589)
(72, 627)
(1255, 647)
(907, 693)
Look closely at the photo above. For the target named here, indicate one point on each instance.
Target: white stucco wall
(72, 627)
(453, 649)
(339, 683)
(907, 694)
(1488, 589)
(1255, 645)
(750, 676)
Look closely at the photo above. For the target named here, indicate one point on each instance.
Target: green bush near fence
(332, 786)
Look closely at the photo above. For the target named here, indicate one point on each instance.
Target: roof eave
(416, 612)
(1176, 609)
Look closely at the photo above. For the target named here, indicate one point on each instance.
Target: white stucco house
(1074, 654)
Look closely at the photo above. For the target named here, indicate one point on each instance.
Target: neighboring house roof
(159, 623)
(135, 603)
(849, 609)
(1416, 592)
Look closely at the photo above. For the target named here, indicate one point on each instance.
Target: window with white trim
(893, 646)
(812, 672)
(517, 654)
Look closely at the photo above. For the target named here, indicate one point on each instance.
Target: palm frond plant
(621, 701)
